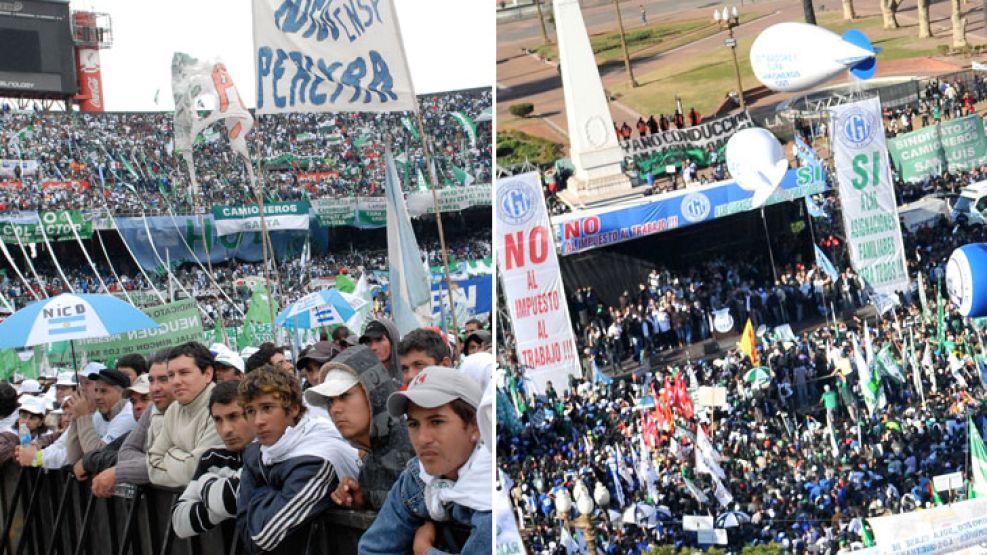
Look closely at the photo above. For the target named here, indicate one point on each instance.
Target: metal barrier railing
(49, 511)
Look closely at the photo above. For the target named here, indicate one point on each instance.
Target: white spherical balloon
(757, 162)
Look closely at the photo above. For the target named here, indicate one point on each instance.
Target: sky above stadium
(450, 45)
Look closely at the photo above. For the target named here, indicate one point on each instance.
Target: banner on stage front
(329, 57)
(180, 323)
(656, 214)
(870, 214)
(279, 215)
(529, 270)
(25, 227)
(943, 529)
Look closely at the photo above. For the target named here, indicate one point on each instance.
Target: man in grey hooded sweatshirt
(354, 390)
(382, 337)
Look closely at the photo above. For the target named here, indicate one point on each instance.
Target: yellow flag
(748, 343)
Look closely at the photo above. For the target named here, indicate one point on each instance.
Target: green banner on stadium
(180, 323)
(370, 212)
(230, 219)
(57, 226)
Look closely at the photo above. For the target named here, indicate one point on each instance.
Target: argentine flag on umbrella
(70, 316)
(321, 308)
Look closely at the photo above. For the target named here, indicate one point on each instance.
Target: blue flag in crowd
(599, 376)
(983, 371)
(823, 262)
(804, 152)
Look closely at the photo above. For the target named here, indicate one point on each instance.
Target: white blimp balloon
(756, 162)
(793, 57)
(966, 279)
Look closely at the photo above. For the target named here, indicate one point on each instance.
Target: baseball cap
(320, 352)
(373, 330)
(92, 370)
(30, 387)
(33, 405)
(225, 356)
(247, 351)
(142, 385)
(434, 387)
(66, 378)
(336, 382)
(112, 377)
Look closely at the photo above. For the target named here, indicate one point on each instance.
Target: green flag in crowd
(422, 183)
(468, 126)
(259, 309)
(344, 284)
(978, 460)
(462, 177)
(406, 122)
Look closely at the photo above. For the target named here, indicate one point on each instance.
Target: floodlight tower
(91, 32)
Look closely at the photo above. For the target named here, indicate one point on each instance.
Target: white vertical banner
(529, 272)
(330, 57)
(870, 214)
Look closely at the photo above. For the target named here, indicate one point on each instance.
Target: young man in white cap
(449, 481)
(131, 461)
(227, 364)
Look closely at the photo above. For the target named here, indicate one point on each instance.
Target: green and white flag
(305, 137)
(870, 382)
(410, 127)
(422, 182)
(462, 177)
(888, 366)
(26, 132)
(978, 460)
(468, 126)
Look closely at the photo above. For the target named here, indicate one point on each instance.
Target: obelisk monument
(593, 145)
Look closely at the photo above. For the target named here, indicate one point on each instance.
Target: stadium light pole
(731, 20)
(623, 44)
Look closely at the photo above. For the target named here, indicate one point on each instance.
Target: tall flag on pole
(307, 63)
(978, 460)
(748, 344)
(823, 262)
(410, 289)
(193, 81)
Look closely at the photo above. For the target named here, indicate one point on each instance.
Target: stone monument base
(585, 193)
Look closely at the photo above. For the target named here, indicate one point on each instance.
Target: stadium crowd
(374, 420)
(302, 155)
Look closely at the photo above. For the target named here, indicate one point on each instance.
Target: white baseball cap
(336, 382)
(67, 379)
(30, 387)
(33, 405)
(226, 356)
(434, 387)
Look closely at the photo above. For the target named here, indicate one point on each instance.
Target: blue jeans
(404, 511)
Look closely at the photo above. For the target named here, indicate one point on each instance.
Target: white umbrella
(731, 519)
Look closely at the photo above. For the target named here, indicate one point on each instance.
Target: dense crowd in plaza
(300, 156)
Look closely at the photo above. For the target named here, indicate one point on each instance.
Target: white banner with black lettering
(529, 270)
(870, 214)
(330, 57)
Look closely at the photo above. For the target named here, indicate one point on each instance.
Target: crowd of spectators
(375, 420)
(790, 484)
(301, 156)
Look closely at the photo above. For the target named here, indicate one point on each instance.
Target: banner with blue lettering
(478, 293)
(330, 57)
(579, 233)
(173, 236)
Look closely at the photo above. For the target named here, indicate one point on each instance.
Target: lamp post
(623, 44)
(584, 504)
(731, 19)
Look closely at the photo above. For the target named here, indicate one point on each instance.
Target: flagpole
(206, 236)
(431, 170)
(259, 192)
(767, 237)
(438, 213)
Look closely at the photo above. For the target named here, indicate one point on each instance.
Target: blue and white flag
(617, 486)
(804, 152)
(823, 262)
(411, 297)
(814, 209)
